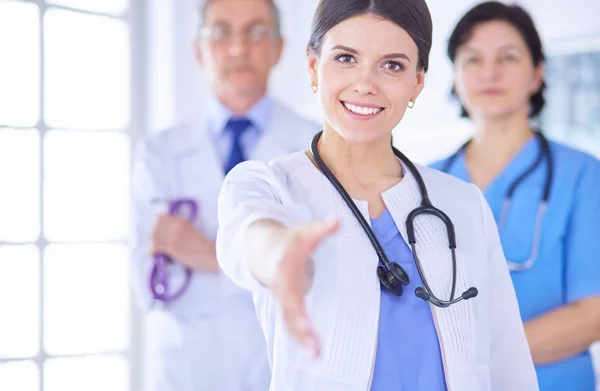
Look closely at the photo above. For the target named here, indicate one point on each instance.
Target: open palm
(294, 278)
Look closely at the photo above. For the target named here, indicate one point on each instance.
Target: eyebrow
(504, 47)
(253, 22)
(387, 56)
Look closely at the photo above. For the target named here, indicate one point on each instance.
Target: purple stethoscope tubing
(159, 276)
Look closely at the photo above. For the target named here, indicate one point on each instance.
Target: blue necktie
(237, 127)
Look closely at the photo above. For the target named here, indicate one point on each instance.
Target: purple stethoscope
(159, 276)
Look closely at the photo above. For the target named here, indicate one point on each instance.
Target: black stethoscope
(391, 275)
(544, 154)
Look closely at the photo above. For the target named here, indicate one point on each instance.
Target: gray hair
(204, 4)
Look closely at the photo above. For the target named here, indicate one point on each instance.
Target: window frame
(135, 17)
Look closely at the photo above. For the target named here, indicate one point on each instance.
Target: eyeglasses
(224, 34)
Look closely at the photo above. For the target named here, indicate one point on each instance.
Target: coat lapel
(454, 324)
(198, 171)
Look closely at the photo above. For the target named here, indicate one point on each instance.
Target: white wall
(161, 65)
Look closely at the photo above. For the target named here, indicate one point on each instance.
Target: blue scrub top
(408, 353)
(568, 265)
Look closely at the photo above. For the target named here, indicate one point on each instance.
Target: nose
(492, 69)
(365, 83)
(238, 46)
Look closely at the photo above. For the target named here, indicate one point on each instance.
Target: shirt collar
(219, 115)
(522, 160)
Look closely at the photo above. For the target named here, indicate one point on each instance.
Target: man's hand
(177, 238)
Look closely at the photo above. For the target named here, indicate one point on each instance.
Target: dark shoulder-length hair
(519, 19)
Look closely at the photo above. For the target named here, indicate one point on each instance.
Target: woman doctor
(354, 292)
(545, 196)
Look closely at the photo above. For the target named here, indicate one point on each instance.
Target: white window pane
(19, 376)
(86, 71)
(20, 64)
(86, 186)
(20, 184)
(108, 6)
(86, 299)
(87, 373)
(19, 301)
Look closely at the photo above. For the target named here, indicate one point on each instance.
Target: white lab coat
(482, 340)
(209, 339)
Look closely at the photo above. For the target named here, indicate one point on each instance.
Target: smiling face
(494, 72)
(367, 72)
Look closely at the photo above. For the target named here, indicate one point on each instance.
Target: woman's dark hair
(411, 15)
(519, 19)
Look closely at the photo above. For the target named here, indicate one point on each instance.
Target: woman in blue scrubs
(498, 77)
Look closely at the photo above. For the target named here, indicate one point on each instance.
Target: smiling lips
(491, 91)
(361, 110)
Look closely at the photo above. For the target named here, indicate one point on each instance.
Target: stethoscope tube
(544, 154)
(159, 275)
(348, 200)
(398, 275)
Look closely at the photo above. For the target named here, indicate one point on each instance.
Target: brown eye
(345, 58)
(394, 66)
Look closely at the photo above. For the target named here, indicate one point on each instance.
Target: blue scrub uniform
(568, 265)
(408, 354)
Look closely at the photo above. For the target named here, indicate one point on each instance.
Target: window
(65, 140)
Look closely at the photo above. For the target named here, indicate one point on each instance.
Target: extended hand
(294, 278)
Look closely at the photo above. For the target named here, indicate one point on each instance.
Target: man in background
(209, 337)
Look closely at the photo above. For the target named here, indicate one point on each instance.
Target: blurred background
(82, 80)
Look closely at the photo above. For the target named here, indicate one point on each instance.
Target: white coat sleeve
(147, 184)
(511, 364)
(252, 191)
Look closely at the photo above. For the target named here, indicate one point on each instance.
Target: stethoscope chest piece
(393, 279)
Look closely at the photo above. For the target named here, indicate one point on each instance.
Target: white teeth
(362, 110)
